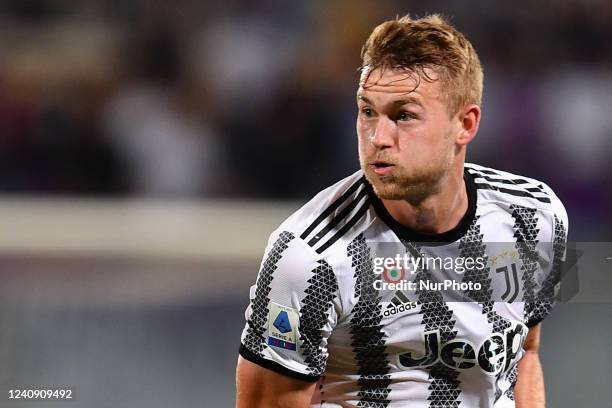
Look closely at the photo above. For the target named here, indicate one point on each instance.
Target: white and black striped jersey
(315, 313)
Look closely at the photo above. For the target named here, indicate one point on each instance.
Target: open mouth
(381, 167)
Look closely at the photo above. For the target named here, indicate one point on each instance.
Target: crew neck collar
(411, 235)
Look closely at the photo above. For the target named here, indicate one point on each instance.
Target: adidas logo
(399, 304)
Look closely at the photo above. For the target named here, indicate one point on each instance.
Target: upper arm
(257, 387)
(293, 310)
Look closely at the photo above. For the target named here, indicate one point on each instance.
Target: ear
(469, 118)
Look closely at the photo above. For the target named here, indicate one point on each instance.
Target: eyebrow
(398, 102)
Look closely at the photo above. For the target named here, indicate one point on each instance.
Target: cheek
(362, 135)
(426, 137)
(415, 140)
(422, 146)
(362, 129)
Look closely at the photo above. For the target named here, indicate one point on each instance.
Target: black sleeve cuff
(271, 365)
(534, 322)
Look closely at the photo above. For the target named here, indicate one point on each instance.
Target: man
(319, 331)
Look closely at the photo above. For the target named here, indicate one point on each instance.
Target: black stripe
(514, 181)
(368, 338)
(314, 314)
(538, 188)
(526, 233)
(518, 193)
(274, 366)
(402, 297)
(332, 207)
(444, 390)
(336, 220)
(535, 190)
(346, 227)
(520, 188)
(396, 301)
(472, 246)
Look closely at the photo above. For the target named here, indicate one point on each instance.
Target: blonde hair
(428, 42)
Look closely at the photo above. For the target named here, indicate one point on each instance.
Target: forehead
(387, 82)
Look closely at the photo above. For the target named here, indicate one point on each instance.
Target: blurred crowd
(255, 99)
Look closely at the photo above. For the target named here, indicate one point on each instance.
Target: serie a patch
(282, 326)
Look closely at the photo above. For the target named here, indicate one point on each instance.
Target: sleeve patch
(282, 326)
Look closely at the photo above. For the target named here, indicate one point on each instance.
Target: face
(406, 135)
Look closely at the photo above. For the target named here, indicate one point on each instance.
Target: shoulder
(334, 215)
(515, 191)
(308, 252)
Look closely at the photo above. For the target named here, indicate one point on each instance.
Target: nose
(384, 134)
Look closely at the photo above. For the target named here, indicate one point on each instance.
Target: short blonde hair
(428, 42)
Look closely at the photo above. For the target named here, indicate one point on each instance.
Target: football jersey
(316, 314)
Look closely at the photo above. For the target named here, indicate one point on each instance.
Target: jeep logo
(494, 355)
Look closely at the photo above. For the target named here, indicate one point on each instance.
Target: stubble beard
(413, 186)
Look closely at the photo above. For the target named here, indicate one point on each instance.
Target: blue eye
(405, 116)
(367, 112)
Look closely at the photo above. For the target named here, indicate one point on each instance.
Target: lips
(381, 167)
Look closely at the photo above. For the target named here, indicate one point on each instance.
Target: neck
(438, 213)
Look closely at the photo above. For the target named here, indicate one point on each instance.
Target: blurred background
(148, 148)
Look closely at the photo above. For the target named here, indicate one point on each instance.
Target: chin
(388, 190)
(393, 190)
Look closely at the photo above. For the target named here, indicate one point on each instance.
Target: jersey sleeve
(293, 310)
(550, 279)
